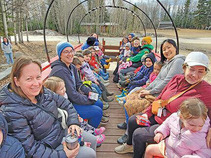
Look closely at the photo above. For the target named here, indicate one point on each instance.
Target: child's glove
(142, 120)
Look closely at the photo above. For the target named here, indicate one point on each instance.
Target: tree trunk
(4, 19)
(27, 33)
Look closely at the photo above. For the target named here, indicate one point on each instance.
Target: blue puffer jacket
(142, 76)
(39, 132)
(10, 146)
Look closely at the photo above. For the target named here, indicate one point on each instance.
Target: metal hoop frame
(50, 5)
(110, 6)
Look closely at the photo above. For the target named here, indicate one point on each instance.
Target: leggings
(140, 135)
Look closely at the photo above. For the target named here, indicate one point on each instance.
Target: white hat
(197, 59)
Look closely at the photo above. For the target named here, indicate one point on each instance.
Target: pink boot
(99, 131)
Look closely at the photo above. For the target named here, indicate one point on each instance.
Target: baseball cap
(197, 59)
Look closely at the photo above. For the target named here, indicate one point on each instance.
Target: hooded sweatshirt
(73, 83)
(144, 50)
(10, 146)
(167, 72)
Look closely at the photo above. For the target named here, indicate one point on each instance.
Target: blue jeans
(93, 113)
(126, 114)
(9, 58)
(95, 86)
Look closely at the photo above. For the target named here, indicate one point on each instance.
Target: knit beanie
(61, 46)
(128, 45)
(91, 41)
(148, 39)
(151, 56)
(132, 34)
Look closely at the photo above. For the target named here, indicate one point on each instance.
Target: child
(122, 47)
(140, 78)
(183, 134)
(145, 49)
(9, 147)
(103, 59)
(143, 75)
(57, 85)
(96, 66)
(157, 67)
(123, 63)
(86, 70)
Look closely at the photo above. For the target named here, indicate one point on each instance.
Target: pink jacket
(183, 143)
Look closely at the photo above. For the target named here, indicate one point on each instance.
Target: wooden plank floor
(112, 133)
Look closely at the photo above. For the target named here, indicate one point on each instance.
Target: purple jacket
(86, 70)
(180, 142)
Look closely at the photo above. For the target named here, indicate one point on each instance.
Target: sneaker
(124, 149)
(105, 114)
(104, 120)
(105, 106)
(100, 138)
(99, 131)
(122, 125)
(122, 139)
(121, 103)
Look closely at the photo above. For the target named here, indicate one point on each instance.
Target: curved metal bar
(68, 20)
(124, 1)
(45, 43)
(175, 29)
(110, 6)
(156, 42)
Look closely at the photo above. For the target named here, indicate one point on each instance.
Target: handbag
(159, 105)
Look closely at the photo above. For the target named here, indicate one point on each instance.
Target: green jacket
(143, 51)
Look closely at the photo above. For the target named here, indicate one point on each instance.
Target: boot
(105, 89)
(105, 98)
(108, 60)
(106, 66)
(109, 94)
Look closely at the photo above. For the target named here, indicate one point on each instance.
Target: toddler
(123, 63)
(183, 134)
(157, 67)
(57, 85)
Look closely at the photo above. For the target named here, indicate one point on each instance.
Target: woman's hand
(158, 137)
(74, 128)
(143, 93)
(209, 138)
(71, 153)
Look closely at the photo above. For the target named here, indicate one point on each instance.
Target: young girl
(57, 85)
(156, 69)
(123, 63)
(183, 134)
